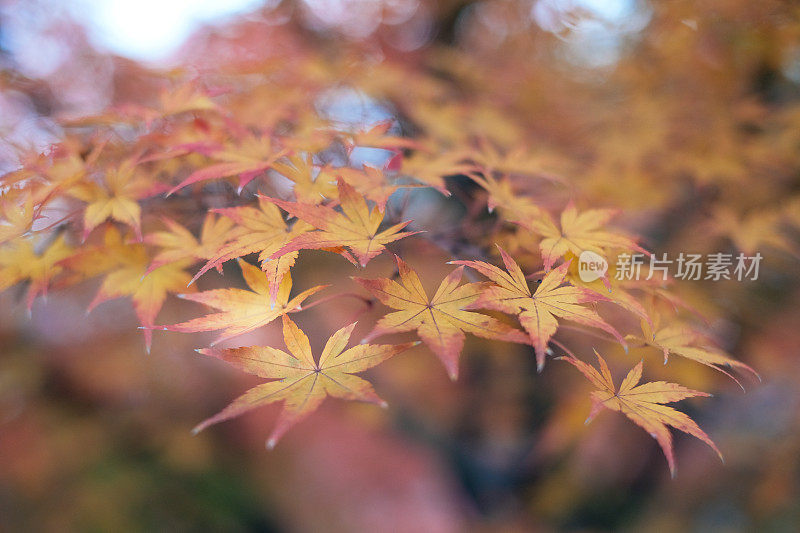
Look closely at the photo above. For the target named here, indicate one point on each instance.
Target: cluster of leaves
(118, 198)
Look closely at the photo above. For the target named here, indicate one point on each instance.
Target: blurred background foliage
(684, 114)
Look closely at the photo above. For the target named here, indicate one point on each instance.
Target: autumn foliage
(255, 165)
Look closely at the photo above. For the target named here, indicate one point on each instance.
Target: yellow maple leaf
(643, 404)
(241, 311)
(441, 321)
(299, 381)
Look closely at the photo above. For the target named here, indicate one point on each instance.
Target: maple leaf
(15, 219)
(67, 172)
(125, 266)
(441, 321)
(578, 232)
(515, 207)
(681, 340)
(184, 98)
(241, 311)
(371, 182)
(311, 184)
(643, 404)
(20, 261)
(251, 158)
(98, 258)
(177, 150)
(615, 290)
(258, 229)
(539, 310)
(356, 227)
(432, 169)
(518, 161)
(117, 199)
(194, 140)
(178, 243)
(376, 137)
(300, 382)
(754, 231)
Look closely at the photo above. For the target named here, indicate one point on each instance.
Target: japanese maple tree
(245, 162)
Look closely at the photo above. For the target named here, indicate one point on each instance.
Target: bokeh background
(684, 115)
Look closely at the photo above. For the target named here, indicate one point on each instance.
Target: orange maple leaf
(19, 261)
(515, 206)
(356, 227)
(310, 183)
(617, 291)
(125, 265)
(16, 217)
(431, 169)
(538, 310)
(578, 232)
(679, 339)
(376, 137)
(252, 157)
(643, 404)
(116, 198)
(242, 311)
(178, 243)
(519, 161)
(441, 321)
(185, 98)
(372, 182)
(753, 231)
(258, 229)
(299, 381)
